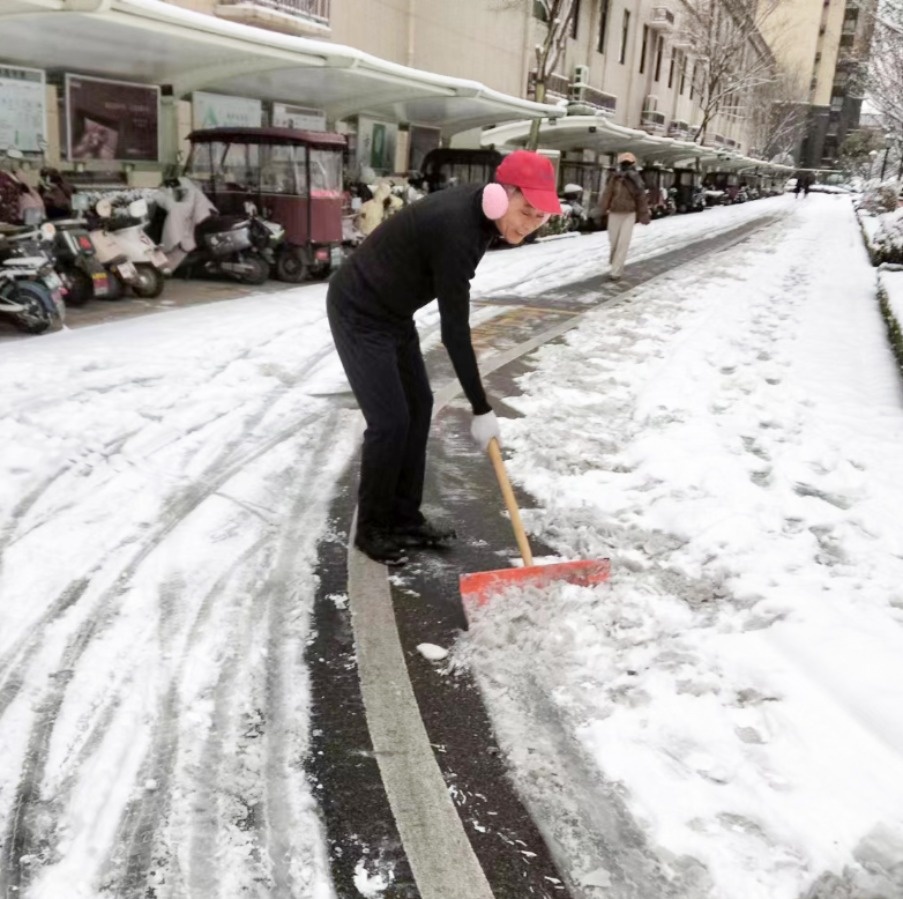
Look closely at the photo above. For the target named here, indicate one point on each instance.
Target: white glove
(483, 428)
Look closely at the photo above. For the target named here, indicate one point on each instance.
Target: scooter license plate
(335, 257)
(101, 283)
(127, 271)
(52, 281)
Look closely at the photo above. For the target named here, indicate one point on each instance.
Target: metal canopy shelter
(599, 134)
(154, 42)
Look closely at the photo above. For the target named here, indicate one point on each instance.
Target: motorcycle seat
(120, 224)
(220, 223)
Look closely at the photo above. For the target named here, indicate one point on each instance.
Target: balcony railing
(556, 86)
(600, 101)
(679, 129)
(315, 11)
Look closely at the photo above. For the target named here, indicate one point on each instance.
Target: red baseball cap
(534, 175)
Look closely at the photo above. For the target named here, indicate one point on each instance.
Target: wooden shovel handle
(495, 453)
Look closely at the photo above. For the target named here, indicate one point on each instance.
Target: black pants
(385, 369)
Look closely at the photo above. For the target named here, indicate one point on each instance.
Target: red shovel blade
(479, 587)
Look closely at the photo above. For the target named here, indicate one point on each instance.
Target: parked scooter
(573, 213)
(76, 262)
(107, 250)
(267, 236)
(193, 235)
(125, 228)
(31, 293)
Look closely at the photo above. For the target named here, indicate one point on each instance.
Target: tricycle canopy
(293, 177)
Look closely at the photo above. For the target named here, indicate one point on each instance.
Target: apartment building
(827, 42)
(632, 61)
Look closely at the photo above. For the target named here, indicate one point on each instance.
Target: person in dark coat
(429, 250)
(625, 203)
(56, 192)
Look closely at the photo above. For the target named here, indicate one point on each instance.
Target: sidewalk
(178, 293)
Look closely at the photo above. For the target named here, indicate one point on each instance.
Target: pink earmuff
(495, 201)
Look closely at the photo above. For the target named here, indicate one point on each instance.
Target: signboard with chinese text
(22, 108)
(219, 110)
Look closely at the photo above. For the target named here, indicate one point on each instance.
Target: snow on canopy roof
(150, 41)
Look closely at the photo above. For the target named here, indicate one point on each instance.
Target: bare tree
(885, 80)
(557, 17)
(732, 59)
(859, 150)
(778, 115)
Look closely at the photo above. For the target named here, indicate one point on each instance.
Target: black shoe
(381, 546)
(425, 534)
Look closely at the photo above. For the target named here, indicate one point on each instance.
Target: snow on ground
(165, 482)
(729, 435)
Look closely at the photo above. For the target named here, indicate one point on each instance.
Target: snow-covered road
(165, 483)
(164, 489)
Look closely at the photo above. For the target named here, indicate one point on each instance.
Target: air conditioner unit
(581, 75)
(579, 84)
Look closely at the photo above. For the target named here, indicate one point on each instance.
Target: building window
(644, 50)
(575, 19)
(671, 68)
(683, 73)
(625, 33)
(658, 58)
(603, 25)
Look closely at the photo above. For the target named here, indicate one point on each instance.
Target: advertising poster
(22, 117)
(299, 117)
(376, 145)
(112, 120)
(221, 110)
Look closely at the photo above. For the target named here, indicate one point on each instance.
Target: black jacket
(429, 250)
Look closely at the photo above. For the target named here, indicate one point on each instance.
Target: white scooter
(107, 250)
(127, 231)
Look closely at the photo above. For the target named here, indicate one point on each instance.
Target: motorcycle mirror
(48, 230)
(138, 208)
(104, 208)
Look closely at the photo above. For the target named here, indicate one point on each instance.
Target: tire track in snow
(27, 831)
(21, 653)
(233, 738)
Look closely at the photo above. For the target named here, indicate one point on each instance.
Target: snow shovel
(478, 588)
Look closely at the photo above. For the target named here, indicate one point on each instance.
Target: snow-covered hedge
(879, 198)
(880, 215)
(890, 296)
(887, 240)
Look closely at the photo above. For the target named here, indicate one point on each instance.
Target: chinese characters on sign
(22, 95)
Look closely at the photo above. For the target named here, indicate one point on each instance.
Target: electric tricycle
(293, 178)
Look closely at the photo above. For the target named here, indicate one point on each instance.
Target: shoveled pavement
(425, 599)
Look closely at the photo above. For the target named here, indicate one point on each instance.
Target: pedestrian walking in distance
(429, 250)
(624, 202)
